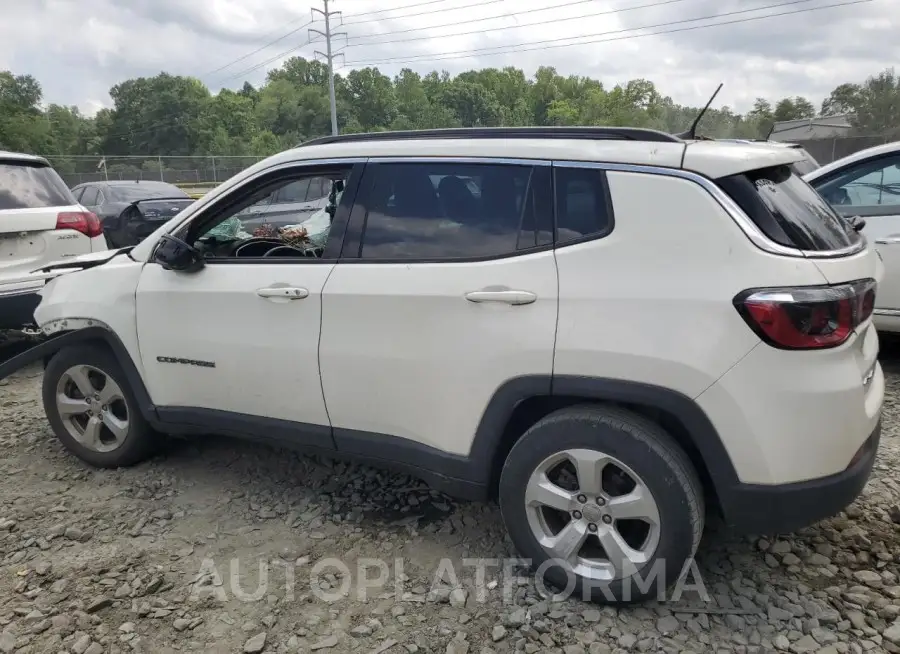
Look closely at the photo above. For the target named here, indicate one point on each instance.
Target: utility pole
(329, 57)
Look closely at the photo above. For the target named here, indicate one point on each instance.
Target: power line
(147, 128)
(308, 42)
(382, 11)
(268, 61)
(521, 47)
(516, 26)
(425, 13)
(259, 49)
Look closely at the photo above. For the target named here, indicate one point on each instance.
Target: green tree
(172, 115)
(793, 109)
(157, 115)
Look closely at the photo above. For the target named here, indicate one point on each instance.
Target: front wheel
(92, 410)
(604, 504)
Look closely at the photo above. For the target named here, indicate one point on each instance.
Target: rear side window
(450, 211)
(29, 186)
(583, 204)
(788, 211)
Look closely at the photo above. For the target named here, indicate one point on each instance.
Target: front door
(236, 343)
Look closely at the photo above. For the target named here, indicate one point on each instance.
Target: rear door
(440, 297)
(32, 197)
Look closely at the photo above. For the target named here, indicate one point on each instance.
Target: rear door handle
(506, 297)
(283, 293)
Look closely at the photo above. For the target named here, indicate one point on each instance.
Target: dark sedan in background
(129, 211)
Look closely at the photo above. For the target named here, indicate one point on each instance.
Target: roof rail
(588, 133)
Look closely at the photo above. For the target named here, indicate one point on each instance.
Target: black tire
(140, 441)
(652, 454)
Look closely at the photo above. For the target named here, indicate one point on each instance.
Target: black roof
(588, 133)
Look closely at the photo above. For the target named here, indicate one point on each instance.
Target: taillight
(81, 221)
(807, 317)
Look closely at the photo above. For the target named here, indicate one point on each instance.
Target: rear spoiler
(178, 199)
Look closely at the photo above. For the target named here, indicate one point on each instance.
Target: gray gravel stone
(833, 588)
(892, 633)
(256, 643)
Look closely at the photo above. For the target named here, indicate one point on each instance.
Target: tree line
(170, 115)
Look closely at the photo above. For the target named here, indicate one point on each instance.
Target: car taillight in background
(807, 317)
(81, 221)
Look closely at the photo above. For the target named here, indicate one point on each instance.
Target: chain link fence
(827, 150)
(206, 172)
(183, 171)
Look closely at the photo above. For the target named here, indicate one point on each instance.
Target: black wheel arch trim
(697, 427)
(58, 341)
(462, 474)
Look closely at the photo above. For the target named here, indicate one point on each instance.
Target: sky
(78, 49)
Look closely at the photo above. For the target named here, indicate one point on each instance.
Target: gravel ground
(224, 546)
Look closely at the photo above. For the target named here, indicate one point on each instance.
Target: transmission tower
(329, 56)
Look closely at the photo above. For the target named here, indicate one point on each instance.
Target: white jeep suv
(607, 329)
(40, 223)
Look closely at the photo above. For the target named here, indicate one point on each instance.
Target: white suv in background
(866, 186)
(608, 329)
(40, 223)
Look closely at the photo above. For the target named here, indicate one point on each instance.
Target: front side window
(870, 188)
(437, 210)
(256, 226)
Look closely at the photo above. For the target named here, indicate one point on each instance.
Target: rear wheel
(604, 503)
(92, 410)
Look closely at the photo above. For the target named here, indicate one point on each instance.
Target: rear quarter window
(788, 210)
(31, 186)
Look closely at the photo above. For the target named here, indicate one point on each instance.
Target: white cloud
(78, 49)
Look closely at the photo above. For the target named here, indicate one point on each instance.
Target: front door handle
(892, 239)
(506, 297)
(283, 293)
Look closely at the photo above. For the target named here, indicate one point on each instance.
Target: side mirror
(174, 254)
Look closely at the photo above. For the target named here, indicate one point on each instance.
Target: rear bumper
(764, 509)
(17, 309)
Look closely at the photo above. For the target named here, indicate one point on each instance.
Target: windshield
(788, 210)
(142, 191)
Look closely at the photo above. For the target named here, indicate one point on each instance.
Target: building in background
(811, 129)
(826, 138)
